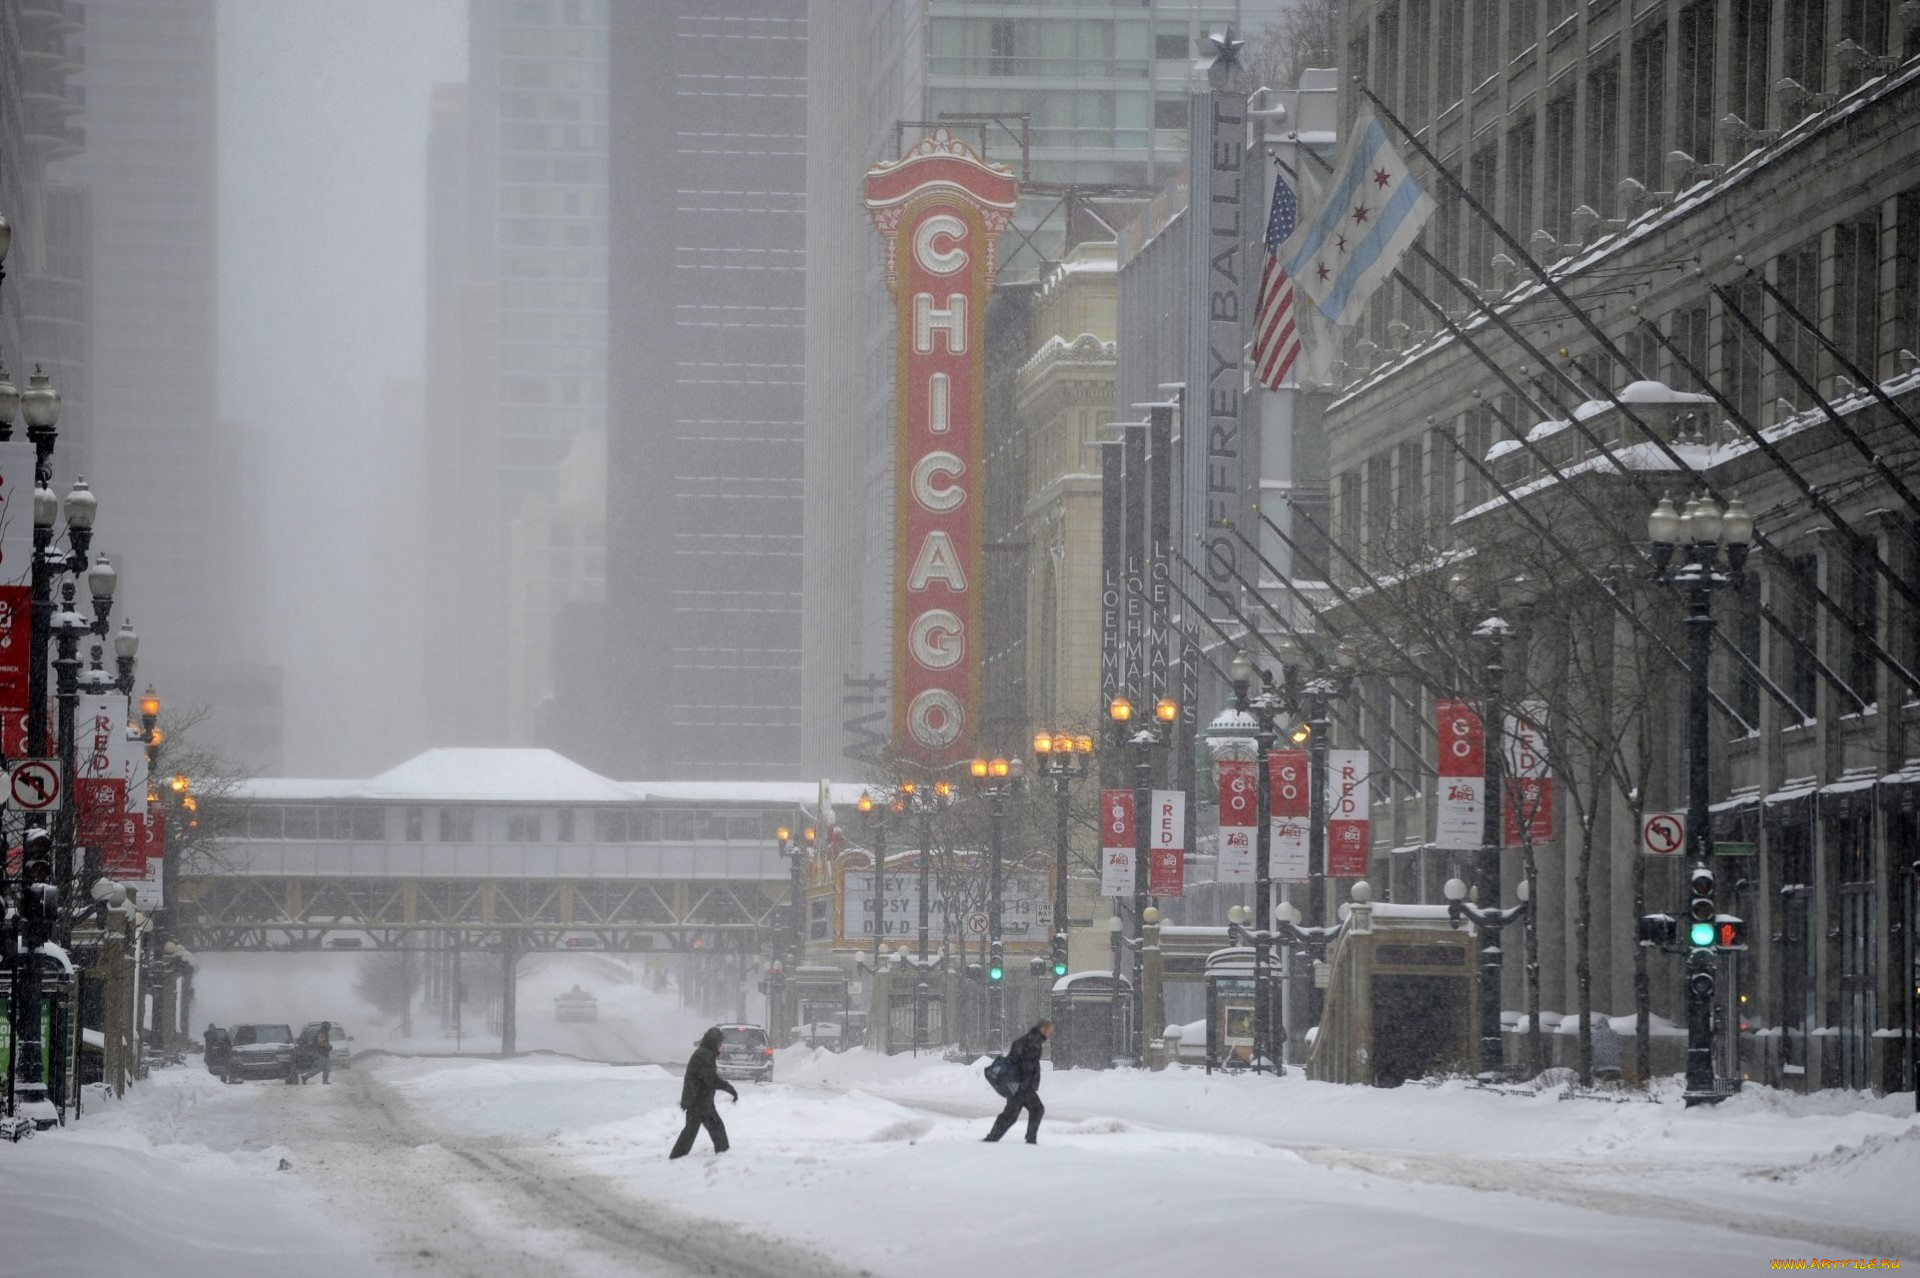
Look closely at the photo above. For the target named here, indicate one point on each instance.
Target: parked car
(337, 1035)
(260, 1051)
(745, 1053)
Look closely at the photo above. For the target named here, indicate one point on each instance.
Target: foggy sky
(323, 110)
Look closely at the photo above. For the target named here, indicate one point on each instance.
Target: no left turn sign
(34, 784)
(1664, 833)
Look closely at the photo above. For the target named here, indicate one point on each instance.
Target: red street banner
(939, 210)
(1348, 836)
(1288, 801)
(15, 611)
(1529, 783)
(1166, 844)
(100, 776)
(1116, 843)
(1239, 817)
(1462, 775)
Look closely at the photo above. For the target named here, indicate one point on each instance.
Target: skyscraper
(707, 221)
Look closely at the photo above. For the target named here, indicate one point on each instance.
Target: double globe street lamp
(999, 779)
(1701, 533)
(1143, 740)
(1062, 756)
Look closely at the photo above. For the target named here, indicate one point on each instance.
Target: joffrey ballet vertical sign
(939, 208)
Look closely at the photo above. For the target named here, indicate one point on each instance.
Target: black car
(745, 1053)
(259, 1051)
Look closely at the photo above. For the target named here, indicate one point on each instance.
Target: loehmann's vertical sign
(939, 208)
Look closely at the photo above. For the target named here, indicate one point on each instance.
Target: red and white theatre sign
(940, 208)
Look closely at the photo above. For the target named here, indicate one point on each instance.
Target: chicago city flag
(1372, 211)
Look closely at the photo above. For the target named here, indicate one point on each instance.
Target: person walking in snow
(697, 1095)
(1025, 1055)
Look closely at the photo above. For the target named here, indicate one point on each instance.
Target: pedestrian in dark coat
(1025, 1055)
(696, 1096)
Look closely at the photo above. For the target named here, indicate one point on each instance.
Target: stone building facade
(1675, 169)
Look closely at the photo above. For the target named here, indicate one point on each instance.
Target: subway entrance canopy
(486, 848)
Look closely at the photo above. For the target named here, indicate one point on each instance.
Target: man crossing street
(1025, 1055)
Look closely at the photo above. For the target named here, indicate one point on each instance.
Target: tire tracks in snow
(442, 1205)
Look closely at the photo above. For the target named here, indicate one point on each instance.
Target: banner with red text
(1529, 783)
(101, 769)
(1348, 833)
(1116, 843)
(1167, 844)
(939, 210)
(1239, 818)
(1288, 809)
(1462, 766)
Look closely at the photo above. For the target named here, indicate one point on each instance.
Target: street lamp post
(923, 802)
(1700, 532)
(1062, 756)
(1000, 780)
(1143, 741)
(1264, 709)
(1489, 920)
(1494, 631)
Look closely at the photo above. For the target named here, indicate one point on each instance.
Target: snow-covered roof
(502, 775)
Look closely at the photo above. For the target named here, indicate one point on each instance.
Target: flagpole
(1867, 381)
(1506, 237)
(1800, 379)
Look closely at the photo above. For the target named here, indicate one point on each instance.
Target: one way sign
(34, 784)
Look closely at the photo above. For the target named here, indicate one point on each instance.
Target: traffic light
(1037, 966)
(996, 973)
(1658, 929)
(1059, 957)
(1732, 933)
(1701, 932)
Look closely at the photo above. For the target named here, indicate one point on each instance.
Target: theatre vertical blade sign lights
(939, 208)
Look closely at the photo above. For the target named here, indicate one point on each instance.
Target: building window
(1483, 171)
(1520, 179)
(1451, 55)
(1906, 271)
(1350, 510)
(1740, 353)
(1386, 31)
(1862, 601)
(1798, 580)
(416, 825)
(1803, 40)
(1647, 109)
(1412, 494)
(1750, 37)
(301, 823)
(1486, 39)
(1797, 276)
(1523, 17)
(456, 825)
(1379, 504)
(1603, 137)
(1419, 49)
(1169, 113)
(564, 827)
(1746, 637)
(1687, 329)
(1856, 291)
(264, 823)
(1479, 428)
(1693, 105)
(523, 825)
(609, 825)
(1865, 23)
(1556, 213)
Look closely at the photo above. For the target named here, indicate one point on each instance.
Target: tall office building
(43, 305)
(516, 340)
(165, 467)
(704, 474)
(1104, 91)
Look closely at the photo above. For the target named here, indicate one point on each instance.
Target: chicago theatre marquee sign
(939, 208)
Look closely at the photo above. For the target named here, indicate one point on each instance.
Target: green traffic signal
(1701, 934)
(1059, 967)
(994, 973)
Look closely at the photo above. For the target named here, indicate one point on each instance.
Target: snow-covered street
(859, 1164)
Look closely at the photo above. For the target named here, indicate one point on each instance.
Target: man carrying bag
(696, 1096)
(1024, 1059)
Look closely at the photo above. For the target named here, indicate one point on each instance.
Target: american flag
(1276, 337)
